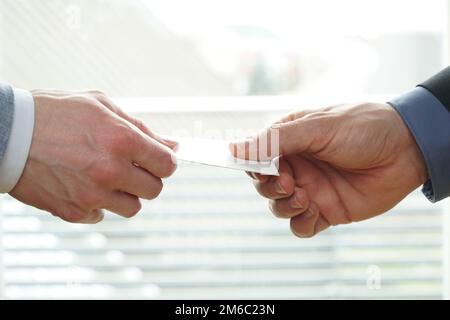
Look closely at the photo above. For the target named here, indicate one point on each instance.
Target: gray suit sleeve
(6, 116)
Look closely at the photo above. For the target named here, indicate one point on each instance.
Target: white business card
(213, 152)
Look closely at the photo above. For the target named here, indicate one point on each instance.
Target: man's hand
(88, 155)
(339, 165)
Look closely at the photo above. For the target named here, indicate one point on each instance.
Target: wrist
(408, 146)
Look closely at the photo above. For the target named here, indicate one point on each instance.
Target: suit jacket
(16, 132)
(6, 116)
(439, 86)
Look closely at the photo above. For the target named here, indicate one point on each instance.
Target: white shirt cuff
(16, 155)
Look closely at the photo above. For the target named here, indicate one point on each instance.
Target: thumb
(283, 138)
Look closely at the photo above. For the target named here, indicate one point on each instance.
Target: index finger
(111, 105)
(156, 158)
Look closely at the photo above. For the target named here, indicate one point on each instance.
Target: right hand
(87, 155)
(338, 165)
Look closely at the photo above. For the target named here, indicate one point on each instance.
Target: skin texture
(338, 165)
(87, 155)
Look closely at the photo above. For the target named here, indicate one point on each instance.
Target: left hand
(88, 155)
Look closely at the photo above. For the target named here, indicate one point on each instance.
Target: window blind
(209, 235)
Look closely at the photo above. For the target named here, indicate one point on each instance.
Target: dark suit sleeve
(439, 86)
(426, 112)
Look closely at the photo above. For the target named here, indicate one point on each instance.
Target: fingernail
(262, 178)
(175, 147)
(294, 203)
(279, 188)
(171, 143)
(174, 159)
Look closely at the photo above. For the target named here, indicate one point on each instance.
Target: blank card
(216, 153)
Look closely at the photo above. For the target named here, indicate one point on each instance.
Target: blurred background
(207, 67)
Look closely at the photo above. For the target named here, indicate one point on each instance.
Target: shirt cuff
(429, 123)
(16, 154)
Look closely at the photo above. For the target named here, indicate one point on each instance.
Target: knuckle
(86, 101)
(74, 216)
(106, 174)
(121, 140)
(301, 199)
(88, 200)
(100, 216)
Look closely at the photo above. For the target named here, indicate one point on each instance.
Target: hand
(87, 155)
(339, 165)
